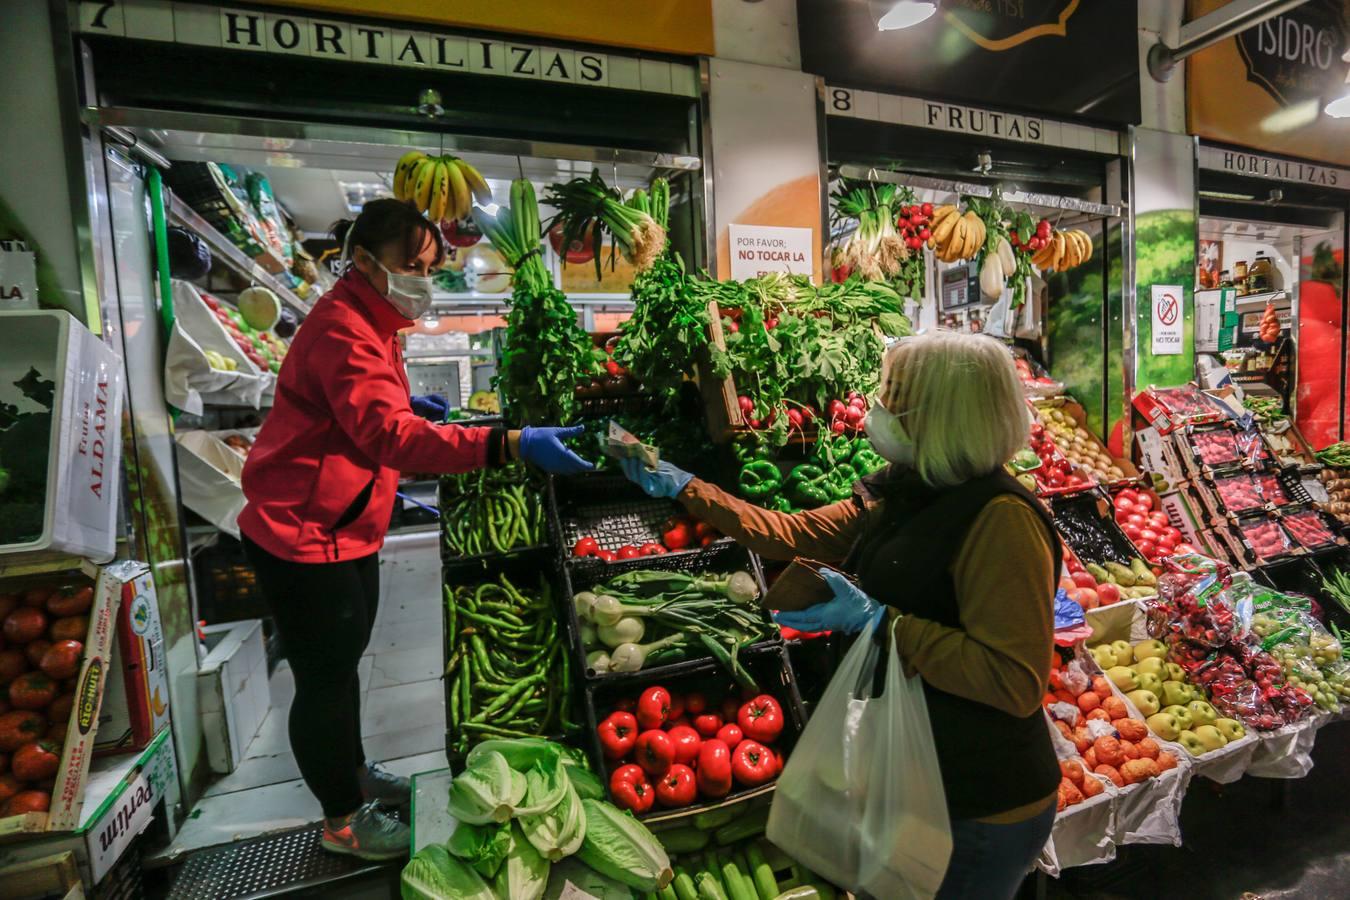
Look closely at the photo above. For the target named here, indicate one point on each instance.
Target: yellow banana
(477, 183)
(440, 192)
(422, 180)
(461, 199)
(406, 165)
(942, 230)
(1087, 246)
(958, 241)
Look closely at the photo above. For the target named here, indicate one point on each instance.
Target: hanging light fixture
(892, 15)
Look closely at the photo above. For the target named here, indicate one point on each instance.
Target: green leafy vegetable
(620, 847)
(482, 846)
(559, 831)
(488, 790)
(433, 874)
(525, 874)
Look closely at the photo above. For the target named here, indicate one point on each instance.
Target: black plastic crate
(770, 667)
(721, 557)
(611, 509)
(1291, 576)
(1307, 512)
(536, 495)
(524, 571)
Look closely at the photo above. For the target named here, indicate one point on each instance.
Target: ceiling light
(892, 15)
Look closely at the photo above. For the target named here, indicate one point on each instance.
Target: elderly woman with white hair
(965, 560)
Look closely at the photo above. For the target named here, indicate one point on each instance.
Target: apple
(1164, 725)
(1175, 693)
(1123, 678)
(1175, 672)
(1191, 741)
(1149, 650)
(1084, 580)
(1088, 598)
(1105, 656)
(1150, 665)
(1108, 593)
(1202, 713)
(1150, 682)
(1145, 701)
(1230, 728)
(1211, 737)
(1124, 652)
(1182, 715)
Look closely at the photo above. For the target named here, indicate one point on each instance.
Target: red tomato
(9, 786)
(654, 751)
(70, 601)
(59, 712)
(695, 703)
(20, 727)
(1131, 532)
(1145, 501)
(8, 603)
(608, 556)
(713, 775)
(35, 650)
(618, 733)
(62, 659)
(1136, 520)
(730, 707)
(35, 761)
(651, 548)
(1183, 547)
(1148, 534)
(1124, 505)
(13, 663)
(32, 690)
(1084, 580)
(761, 719)
(653, 707)
(26, 802)
(630, 789)
(677, 787)
(37, 597)
(25, 624)
(730, 734)
(628, 551)
(707, 725)
(752, 764)
(1147, 548)
(1158, 520)
(1129, 494)
(687, 743)
(587, 546)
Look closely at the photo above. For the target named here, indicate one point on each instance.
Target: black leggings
(324, 613)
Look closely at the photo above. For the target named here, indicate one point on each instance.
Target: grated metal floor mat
(268, 866)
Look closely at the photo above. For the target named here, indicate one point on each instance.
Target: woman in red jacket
(320, 484)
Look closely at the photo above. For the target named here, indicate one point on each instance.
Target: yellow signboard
(1266, 88)
(667, 26)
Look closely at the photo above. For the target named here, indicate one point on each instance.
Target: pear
(1182, 715)
(1151, 665)
(1105, 656)
(1202, 713)
(1144, 701)
(1230, 728)
(1175, 672)
(1175, 693)
(1191, 741)
(1150, 649)
(1164, 725)
(1210, 736)
(1124, 652)
(1123, 678)
(1150, 682)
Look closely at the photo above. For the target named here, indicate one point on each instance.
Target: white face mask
(888, 436)
(409, 294)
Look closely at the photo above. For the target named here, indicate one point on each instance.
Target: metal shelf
(221, 249)
(1262, 299)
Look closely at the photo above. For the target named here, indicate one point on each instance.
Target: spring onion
(628, 630)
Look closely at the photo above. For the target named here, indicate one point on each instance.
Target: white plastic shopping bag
(860, 800)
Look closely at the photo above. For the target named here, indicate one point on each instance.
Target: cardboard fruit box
(85, 690)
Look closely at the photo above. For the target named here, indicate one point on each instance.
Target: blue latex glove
(431, 406)
(664, 481)
(544, 448)
(850, 611)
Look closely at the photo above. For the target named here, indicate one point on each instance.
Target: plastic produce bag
(861, 801)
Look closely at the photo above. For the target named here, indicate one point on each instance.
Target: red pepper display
(631, 790)
(618, 734)
(752, 764)
(761, 719)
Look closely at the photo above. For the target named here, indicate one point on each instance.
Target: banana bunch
(443, 187)
(1063, 251)
(953, 236)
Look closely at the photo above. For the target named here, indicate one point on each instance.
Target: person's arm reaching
(826, 534)
(1004, 585)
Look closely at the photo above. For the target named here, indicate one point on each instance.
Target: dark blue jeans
(990, 861)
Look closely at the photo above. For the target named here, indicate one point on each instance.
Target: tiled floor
(403, 711)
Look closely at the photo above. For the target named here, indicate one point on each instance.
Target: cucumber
(744, 828)
(714, 819)
(708, 888)
(685, 839)
(761, 874)
(667, 893)
(738, 886)
(684, 885)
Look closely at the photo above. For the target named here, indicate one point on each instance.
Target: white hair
(960, 402)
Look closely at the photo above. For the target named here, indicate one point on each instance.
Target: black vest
(991, 761)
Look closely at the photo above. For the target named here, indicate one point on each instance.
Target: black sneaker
(380, 784)
(367, 834)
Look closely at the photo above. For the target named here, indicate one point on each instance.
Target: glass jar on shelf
(1259, 278)
(1240, 276)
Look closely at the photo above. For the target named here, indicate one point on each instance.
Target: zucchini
(714, 819)
(761, 874)
(708, 888)
(738, 886)
(744, 828)
(667, 893)
(684, 885)
(685, 839)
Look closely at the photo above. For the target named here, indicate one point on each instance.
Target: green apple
(1150, 650)
(1123, 678)
(1191, 741)
(1182, 715)
(1124, 652)
(1105, 656)
(1145, 701)
(1175, 693)
(1230, 728)
(1164, 725)
(1202, 713)
(1151, 665)
(1175, 673)
(1211, 737)
(1150, 682)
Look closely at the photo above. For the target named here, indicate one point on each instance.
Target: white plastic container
(84, 453)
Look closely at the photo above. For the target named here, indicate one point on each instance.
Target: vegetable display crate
(611, 509)
(536, 505)
(770, 667)
(525, 571)
(721, 558)
(1299, 575)
(1085, 523)
(1221, 448)
(1229, 496)
(1256, 541)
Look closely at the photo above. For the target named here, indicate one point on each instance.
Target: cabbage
(486, 791)
(538, 762)
(620, 847)
(558, 832)
(525, 874)
(433, 874)
(482, 846)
